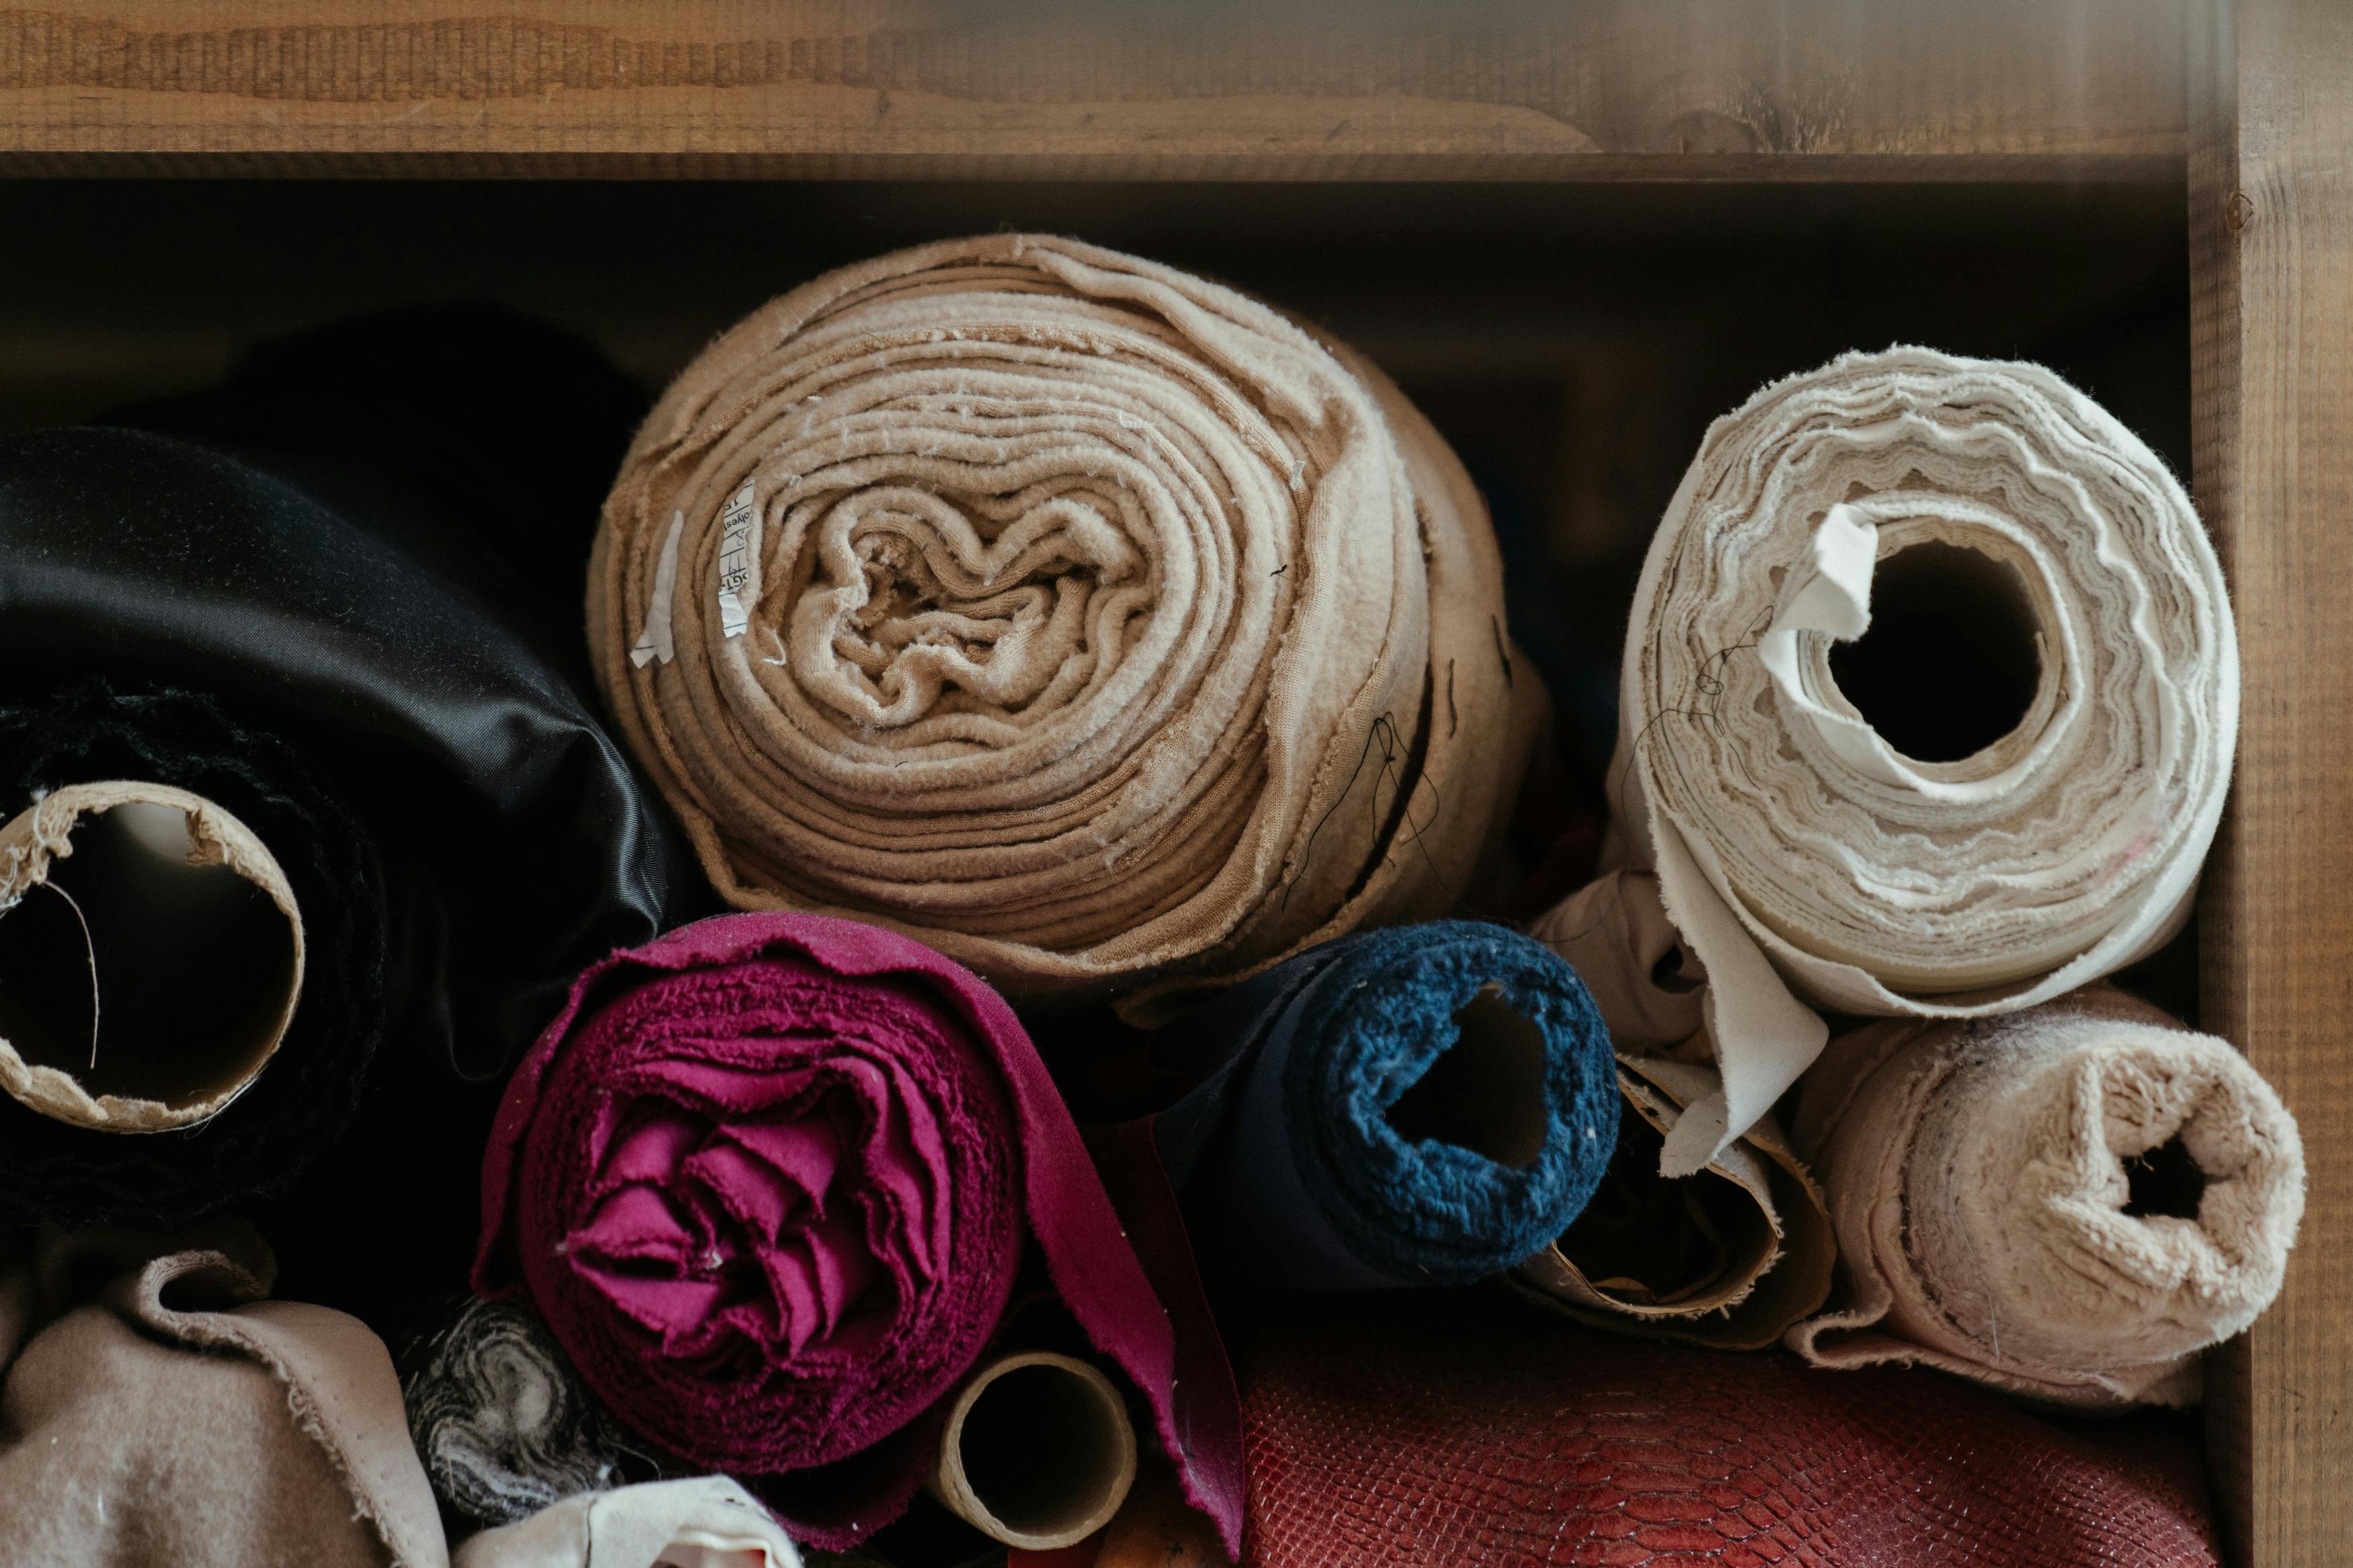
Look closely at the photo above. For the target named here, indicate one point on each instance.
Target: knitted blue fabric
(1286, 1154)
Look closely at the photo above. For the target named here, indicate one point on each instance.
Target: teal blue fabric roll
(1423, 1105)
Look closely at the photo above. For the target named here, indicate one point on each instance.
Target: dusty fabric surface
(2068, 1203)
(769, 1181)
(1728, 1258)
(706, 1522)
(1088, 620)
(1806, 860)
(158, 1410)
(502, 1423)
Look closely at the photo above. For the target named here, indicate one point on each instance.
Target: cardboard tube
(1038, 1452)
(150, 956)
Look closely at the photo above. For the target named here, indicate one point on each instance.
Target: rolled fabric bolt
(1728, 1258)
(1038, 1452)
(246, 994)
(156, 1408)
(203, 957)
(2068, 1203)
(501, 1421)
(1615, 933)
(1929, 706)
(1092, 622)
(708, 1521)
(1424, 1105)
(768, 1180)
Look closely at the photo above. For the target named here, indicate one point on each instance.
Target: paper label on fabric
(654, 641)
(738, 547)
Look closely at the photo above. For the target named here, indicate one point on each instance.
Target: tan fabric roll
(157, 1410)
(1089, 621)
(708, 1521)
(1729, 1256)
(2068, 1203)
(1649, 984)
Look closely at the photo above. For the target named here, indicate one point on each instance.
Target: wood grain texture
(1300, 89)
(2271, 280)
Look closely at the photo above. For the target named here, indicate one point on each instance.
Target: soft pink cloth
(768, 1179)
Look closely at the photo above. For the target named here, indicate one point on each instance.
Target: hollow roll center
(2166, 1180)
(138, 975)
(1485, 1092)
(1949, 665)
(1039, 1448)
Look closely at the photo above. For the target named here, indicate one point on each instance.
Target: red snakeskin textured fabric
(1413, 1436)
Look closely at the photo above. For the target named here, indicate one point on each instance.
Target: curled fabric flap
(2068, 1203)
(708, 1521)
(1091, 622)
(751, 1060)
(1806, 860)
(177, 1416)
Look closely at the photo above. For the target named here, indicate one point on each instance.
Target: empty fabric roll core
(1038, 1452)
(1952, 660)
(1485, 1092)
(150, 956)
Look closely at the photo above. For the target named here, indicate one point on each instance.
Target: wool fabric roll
(501, 1421)
(1090, 621)
(769, 1180)
(303, 1100)
(2002, 789)
(2068, 1203)
(1422, 1105)
(155, 1408)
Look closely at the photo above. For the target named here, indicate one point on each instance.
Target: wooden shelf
(1511, 89)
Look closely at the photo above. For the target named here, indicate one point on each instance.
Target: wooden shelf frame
(2251, 104)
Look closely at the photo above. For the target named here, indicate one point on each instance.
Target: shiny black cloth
(372, 550)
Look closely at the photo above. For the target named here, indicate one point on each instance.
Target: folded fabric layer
(1998, 785)
(1441, 1431)
(322, 569)
(707, 1522)
(1424, 1105)
(1088, 620)
(2069, 1202)
(302, 1098)
(171, 1414)
(768, 1181)
(1729, 1256)
(502, 1423)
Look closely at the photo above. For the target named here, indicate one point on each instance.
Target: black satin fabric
(369, 544)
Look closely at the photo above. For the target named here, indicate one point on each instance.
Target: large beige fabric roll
(1087, 620)
(1808, 862)
(2068, 1203)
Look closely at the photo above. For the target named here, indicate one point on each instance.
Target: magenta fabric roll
(768, 1180)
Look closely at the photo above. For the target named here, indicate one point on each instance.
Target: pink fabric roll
(768, 1180)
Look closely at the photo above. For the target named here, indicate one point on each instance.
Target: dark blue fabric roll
(1423, 1105)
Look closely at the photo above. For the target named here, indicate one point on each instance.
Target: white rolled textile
(1807, 861)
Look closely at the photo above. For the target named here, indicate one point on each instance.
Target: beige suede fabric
(709, 1521)
(1089, 621)
(158, 1413)
(1977, 1174)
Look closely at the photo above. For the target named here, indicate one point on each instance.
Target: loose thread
(89, 947)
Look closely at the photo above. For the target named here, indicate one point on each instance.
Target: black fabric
(304, 1101)
(375, 556)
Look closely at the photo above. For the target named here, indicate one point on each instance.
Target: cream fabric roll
(1089, 621)
(2068, 1203)
(1805, 861)
(707, 1521)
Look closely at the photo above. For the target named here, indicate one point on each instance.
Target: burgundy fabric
(767, 1179)
(1427, 1437)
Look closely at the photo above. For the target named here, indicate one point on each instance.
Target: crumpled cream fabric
(155, 1409)
(1615, 933)
(709, 1521)
(1977, 1174)
(1089, 621)
(1806, 862)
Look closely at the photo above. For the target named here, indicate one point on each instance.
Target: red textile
(768, 1179)
(1400, 1437)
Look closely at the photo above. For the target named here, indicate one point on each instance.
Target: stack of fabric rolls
(514, 1102)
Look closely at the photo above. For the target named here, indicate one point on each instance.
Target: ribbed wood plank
(1375, 88)
(2272, 279)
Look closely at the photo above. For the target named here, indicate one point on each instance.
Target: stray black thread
(1452, 718)
(1503, 649)
(1280, 569)
(1708, 682)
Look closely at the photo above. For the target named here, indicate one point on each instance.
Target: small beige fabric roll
(1615, 933)
(1088, 621)
(708, 1521)
(2068, 1203)
(171, 1415)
